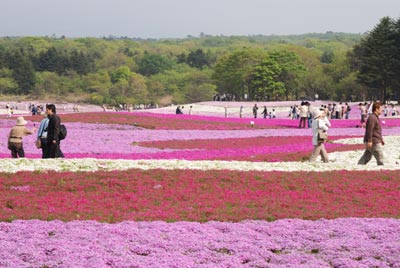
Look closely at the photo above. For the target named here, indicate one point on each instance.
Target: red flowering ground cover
(214, 144)
(293, 156)
(289, 149)
(193, 195)
(157, 121)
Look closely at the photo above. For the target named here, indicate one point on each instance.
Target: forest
(114, 70)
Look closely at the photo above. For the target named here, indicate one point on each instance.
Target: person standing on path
(373, 137)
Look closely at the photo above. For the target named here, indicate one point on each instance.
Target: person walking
(320, 123)
(53, 132)
(255, 108)
(373, 137)
(15, 144)
(265, 112)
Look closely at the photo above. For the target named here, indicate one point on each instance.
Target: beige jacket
(17, 133)
(303, 111)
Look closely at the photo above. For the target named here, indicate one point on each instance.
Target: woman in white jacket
(320, 122)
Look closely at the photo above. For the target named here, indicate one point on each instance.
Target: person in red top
(373, 137)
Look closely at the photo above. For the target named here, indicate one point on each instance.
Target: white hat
(21, 121)
(318, 113)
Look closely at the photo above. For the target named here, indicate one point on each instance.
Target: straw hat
(21, 121)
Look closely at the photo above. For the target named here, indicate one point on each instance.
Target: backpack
(63, 132)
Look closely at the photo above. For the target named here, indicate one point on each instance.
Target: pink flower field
(204, 192)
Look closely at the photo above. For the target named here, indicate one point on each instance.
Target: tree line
(336, 66)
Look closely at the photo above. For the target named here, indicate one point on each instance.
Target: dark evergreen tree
(2, 56)
(80, 62)
(53, 60)
(197, 59)
(396, 62)
(23, 71)
(375, 59)
(181, 58)
(327, 56)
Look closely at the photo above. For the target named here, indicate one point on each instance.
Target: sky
(180, 18)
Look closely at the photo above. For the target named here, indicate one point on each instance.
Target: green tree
(374, 58)
(81, 63)
(152, 64)
(7, 82)
(197, 59)
(121, 74)
(199, 86)
(138, 88)
(349, 89)
(48, 83)
(233, 72)
(53, 60)
(292, 69)
(264, 80)
(316, 82)
(23, 71)
(98, 83)
(327, 56)
(132, 89)
(396, 61)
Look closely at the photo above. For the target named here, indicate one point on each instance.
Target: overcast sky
(179, 18)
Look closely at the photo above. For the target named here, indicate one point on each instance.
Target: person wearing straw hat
(17, 132)
(320, 122)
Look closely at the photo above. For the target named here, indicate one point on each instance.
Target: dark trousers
(43, 145)
(17, 149)
(53, 150)
(302, 123)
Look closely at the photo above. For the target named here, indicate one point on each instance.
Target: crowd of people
(128, 107)
(332, 111)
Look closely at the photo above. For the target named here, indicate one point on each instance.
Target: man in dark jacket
(373, 137)
(53, 131)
